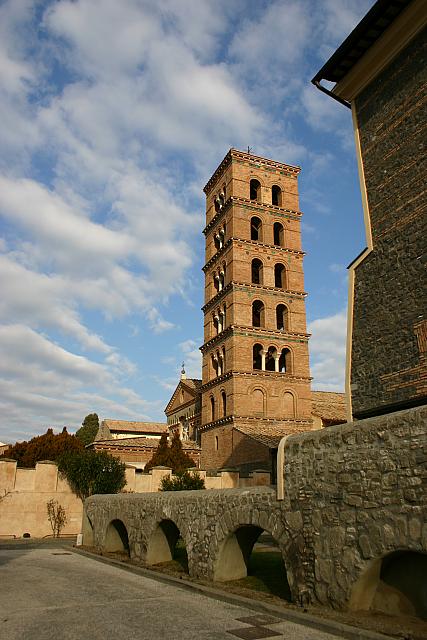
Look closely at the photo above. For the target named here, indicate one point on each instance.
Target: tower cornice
(255, 332)
(281, 212)
(257, 374)
(253, 243)
(242, 156)
(256, 288)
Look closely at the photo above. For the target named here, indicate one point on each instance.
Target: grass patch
(266, 573)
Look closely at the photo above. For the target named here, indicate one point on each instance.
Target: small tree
(183, 481)
(179, 460)
(89, 429)
(90, 472)
(56, 516)
(161, 456)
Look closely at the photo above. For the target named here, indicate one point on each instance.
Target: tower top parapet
(243, 156)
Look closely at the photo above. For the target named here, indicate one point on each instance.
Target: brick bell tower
(256, 378)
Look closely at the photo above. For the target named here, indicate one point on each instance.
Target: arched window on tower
(256, 355)
(255, 190)
(279, 276)
(278, 234)
(270, 359)
(256, 272)
(214, 361)
(282, 317)
(216, 281)
(285, 361)
(223, 359)
(212, 409)
(256, 229)
(258, 313)
(224, 404)
(288, 405)
(276, 195)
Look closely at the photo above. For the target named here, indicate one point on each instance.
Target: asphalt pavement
(52, 593)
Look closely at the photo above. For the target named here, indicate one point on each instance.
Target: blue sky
(113, 116)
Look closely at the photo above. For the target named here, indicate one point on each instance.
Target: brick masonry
(353, 493)
(389, 358)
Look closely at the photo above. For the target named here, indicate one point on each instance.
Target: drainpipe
(330, 94)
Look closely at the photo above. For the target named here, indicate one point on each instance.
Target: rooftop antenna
(249, 149)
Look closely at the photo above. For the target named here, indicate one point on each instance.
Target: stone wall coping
(371, 424)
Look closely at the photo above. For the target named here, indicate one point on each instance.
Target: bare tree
(56, 516)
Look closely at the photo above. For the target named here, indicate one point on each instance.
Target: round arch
(393, 584)
(230, 550)
(162, 538)
(116, 538)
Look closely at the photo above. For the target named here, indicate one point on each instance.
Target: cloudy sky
(113, 116)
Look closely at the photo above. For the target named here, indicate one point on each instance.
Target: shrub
(183, 481)
(56, 516)
(90, 472)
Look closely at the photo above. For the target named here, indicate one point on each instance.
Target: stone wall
(361, 491)
(354, 495)
(389, 340)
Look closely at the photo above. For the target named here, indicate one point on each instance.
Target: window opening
(282, 317)
(279, 276)
(257, 313)
(278, 233)
(255, 190)
(256, 229)
(256, 271)
(276, 195)
(256, 356)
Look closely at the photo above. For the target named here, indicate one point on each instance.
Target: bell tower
(256, 378)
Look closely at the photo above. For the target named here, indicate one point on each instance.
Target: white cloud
(327, 351)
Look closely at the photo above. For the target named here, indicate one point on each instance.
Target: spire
(183, 374)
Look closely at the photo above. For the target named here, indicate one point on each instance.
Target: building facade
(380, 73)
(255, 372)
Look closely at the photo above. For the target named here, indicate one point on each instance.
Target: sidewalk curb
(328, 626)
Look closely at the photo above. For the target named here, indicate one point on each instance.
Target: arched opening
(276, 195)
(258, 313)
(216, 282)
(278, 234)
(216, 443)
(224, 403)
(212, 401)
(256, 356)
(223, 359)
(217, 241)
(256, 229)
(258, 402)
(255, 190)
(167, 545)
(289, 405)
(252, 556)
(116, 539)
(285, 361)
(395, 585)
(270, 359)
(279, 276)
(214, 362)
(256, 272)
(282, 322)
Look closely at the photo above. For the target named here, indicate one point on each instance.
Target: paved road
(46, 594)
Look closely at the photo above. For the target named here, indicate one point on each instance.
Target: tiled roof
(328, 405)
(133, 427)
(151, 443)
(269, 435)
(118, 443)
(194, 383)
